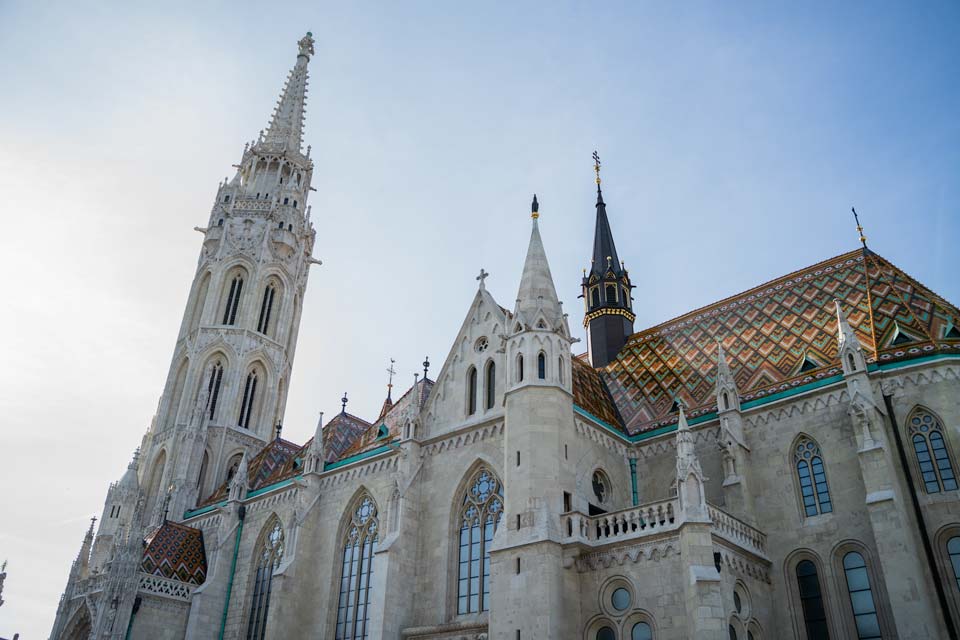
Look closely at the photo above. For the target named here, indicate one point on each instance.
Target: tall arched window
(953, 548)
(936, 469)
(491, 385)
(232, 466)
(812, 477)
(811, 600)
(541, 366)
(861, 596)
(611, 291)
(213, 386)
(480, 514)
(594, 297)
(246, 405)
(560, 369)
(519, 367)
(266, 307)
(233, 300)
(472, 391)
(268, 559)
(356, 570)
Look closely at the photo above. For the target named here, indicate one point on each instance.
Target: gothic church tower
(227, 385)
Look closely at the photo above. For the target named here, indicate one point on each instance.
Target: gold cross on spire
(596, 165)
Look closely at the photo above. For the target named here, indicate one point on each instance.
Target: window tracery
(930, 447)
(812, 476)
(268, 559)
(359, 545)
(480, 514)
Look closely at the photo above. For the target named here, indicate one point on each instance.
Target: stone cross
(483, 276)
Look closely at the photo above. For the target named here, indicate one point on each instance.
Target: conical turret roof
(537, 293)
(286, 125)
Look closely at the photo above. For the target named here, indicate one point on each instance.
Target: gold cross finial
(596, 165)
(863, 238)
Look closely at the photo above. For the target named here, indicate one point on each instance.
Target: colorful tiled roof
(777, 336)
(590, 393)
(175, 551)
(266, 468)
(393, 421)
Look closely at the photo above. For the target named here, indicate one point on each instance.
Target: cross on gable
(483, 276)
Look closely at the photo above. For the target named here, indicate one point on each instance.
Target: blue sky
(735, 137)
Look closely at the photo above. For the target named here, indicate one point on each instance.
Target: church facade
(780, 464)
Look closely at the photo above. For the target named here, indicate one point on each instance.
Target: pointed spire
(604, 249)
(388, 402)
(537, 292)
(129, 480)
(849, 349)
(286, 125)
(535, 208)
(726, 389)
(316, 455)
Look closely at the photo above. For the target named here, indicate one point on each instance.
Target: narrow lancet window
(481, 512)
(472, 391)
(811, 601)
(541, 366)
(491, 386)
(246, 405)
(233, 300)
(266, 307)
(861, 597)
(213, 387)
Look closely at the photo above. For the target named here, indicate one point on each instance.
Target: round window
(606, 633)
(641, 631)
(601, 486)
(620, 599)
(481, 345)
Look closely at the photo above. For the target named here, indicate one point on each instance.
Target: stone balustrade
(737, 531)
(626, 524)
(164, 587)
(653, 518)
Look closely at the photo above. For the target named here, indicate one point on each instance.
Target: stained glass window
(246, 405)
(813, 478)
(480, 514)
(266, 307)
(213, 387)
(936, 469)
(641, 631)
(353, 614)
(861, 596)
(953, 548)
(268, 559)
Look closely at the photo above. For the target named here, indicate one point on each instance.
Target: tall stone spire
(606, 290)
(286, 125)
(537, 296)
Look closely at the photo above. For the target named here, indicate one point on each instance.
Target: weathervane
(426, 366)
(596, 166)
(343, 401)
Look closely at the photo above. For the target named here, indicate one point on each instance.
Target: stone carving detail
(160, 586)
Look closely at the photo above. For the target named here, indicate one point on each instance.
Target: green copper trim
(202, 510)
(233, 570)
(360, 456)
(810, 386)
(271, 487)
(633, 480)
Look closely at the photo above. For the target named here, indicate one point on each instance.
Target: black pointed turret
(607, 294)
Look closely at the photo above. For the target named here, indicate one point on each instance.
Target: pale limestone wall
(593, 449)
(159, 619)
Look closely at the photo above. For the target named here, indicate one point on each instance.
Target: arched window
(213, 386)
(480, 513)
(356, 571)
(953, 548)
(606, 633)
(246, 405)
(233, 300)
(812, 477)
(268, 559)
(861, 596)
(936, 469)
(519, 367)
(541, 366)
(726, 401)
(811, 600)
(594, 297)
(153, 486)
(232, 466)
(491, 385)
(626, 297)
(641, 631)
(266, 306)
(732, 632)
(560, 369)
(611, 291)
(472, 391)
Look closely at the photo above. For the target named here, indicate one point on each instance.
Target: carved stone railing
(626, 524)
(165, 587)
(91, 584)
(737, 531)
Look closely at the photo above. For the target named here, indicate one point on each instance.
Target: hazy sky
(734, 137)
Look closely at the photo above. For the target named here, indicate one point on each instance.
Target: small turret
(606, 290)
(239, 482)
(850, 351)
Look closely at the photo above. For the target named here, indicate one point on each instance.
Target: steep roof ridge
(759, 288)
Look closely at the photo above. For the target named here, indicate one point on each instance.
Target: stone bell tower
(228, 379)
